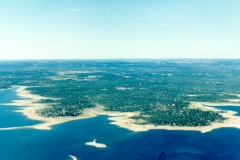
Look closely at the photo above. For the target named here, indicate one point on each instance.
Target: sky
(119, 29)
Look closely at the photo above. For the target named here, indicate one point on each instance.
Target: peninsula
(141, 94)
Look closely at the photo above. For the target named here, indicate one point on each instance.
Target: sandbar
(95, 144)
(73, 157)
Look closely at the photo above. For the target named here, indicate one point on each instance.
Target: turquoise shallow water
(70, 138)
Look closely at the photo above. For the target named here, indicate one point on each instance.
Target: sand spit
(223, 104)
(95, 144)
(121, 119)
(30, 106)
(73, 157)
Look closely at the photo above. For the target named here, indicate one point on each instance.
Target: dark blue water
(70, 138)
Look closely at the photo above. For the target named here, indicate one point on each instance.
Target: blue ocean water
(70, 138)
(8, 116)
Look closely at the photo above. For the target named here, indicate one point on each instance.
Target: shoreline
(121, 119)
(30, 106)
(232, 122)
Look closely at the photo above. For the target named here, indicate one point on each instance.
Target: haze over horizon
(114, 29)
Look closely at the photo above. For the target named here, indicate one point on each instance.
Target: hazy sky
(92, 29)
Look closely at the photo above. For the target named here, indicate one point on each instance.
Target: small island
(95, 144)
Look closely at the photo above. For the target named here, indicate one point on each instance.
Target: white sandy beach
(121, 119)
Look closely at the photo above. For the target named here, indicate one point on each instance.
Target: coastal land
(31, 105)
(121, 119)
(138, 95)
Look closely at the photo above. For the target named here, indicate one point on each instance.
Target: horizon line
(109, 59)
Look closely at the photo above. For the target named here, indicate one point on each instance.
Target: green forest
(161, 90)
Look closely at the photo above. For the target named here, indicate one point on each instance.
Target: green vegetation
(65, 110)
(180, 117)
(160, 90)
